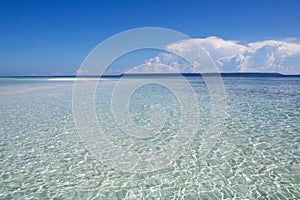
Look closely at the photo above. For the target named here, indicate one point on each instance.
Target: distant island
(231, 74)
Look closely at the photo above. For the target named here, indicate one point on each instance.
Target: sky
(53, 37)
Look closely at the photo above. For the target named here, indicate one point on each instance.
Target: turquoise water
(256, 157)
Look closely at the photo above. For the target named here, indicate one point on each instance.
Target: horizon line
(266, 74)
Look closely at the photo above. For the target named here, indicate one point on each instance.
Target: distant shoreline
(239, 74)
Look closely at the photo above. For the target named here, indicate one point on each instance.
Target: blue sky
(49, 36)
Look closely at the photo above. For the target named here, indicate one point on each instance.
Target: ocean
(45, 156)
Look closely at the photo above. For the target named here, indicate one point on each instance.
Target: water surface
(256, 157)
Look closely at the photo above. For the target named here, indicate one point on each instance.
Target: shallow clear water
(256, 157)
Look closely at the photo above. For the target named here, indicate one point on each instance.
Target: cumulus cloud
(82, 72)
(269, 56)
(163, 63)
(231, 56)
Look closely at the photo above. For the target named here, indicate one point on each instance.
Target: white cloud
(218, 47)
(231, 56)
(82, 72)
(270, 56)
(162, 63)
